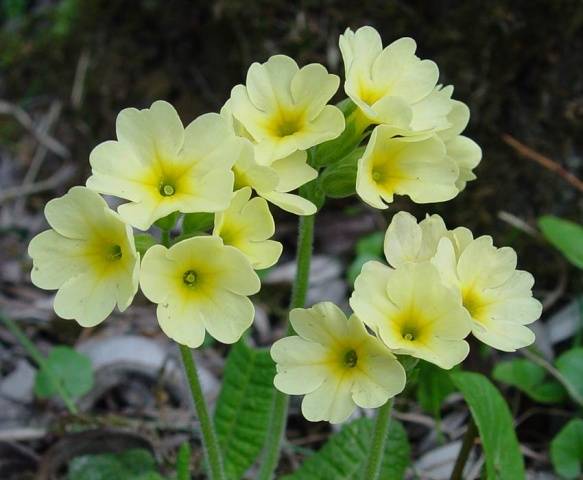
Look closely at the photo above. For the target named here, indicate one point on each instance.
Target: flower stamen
(114, 253)
(189, 278)
(166, 189)
(350, 359)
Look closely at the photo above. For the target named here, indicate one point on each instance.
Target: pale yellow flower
(412, 312)
(283, 108)
(335, 363)
(391, 85)
(88, 256)
(395, 162)
(497, 296)
(162, 167)
(409, 242)
(462, 150)
(275, 181)
(247, 225)
(200, 285)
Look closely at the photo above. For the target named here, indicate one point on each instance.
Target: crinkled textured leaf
(531, 379)
(135, 464)
(570, 364)
(567, 450)
(566, 236)
(68, 367)
(492, 416)
(243, 408)
(344, 456)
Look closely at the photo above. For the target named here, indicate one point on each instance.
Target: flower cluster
(416, 148)
(440, 286)
(201, 281)
(277, 140)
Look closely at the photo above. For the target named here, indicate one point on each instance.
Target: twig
(38, 357)
(79, 81)
(543, 160)
(518, 223)
(53, 181)
(25, 120)
(415, 418)
(22, 434)
(555, 373)
(40, 154)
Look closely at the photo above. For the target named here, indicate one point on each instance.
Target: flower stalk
(379, 440)
(210, 442)
(298, 299)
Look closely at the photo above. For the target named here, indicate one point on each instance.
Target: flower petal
(313, 87)
(86, 298)
(56, 259)
(182, 321)
(402, 239)
(332, 401)
(328, 125)
(226, 315)
(505, 336)
(369, 299)
(268, 84)
(485, 265)
(76, 214)
(290, 203)
(323, 323)
(300, 365)
(293, 171)
(158, 275)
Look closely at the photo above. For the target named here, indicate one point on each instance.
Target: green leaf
(339, 179)
(183, 462)
(434, 385)
(344, 455)
(167, 223)
(244, 406)
(494, 422)
(134, 464)
(566, 236)
(567, 450)
(313, 192)
(531, 379)
(143, 241)
(197, 222)
(570, 364)
(371, 244)
(71, 369)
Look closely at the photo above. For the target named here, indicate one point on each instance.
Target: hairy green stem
(38, 357)
(379, 439)
(210, 442)
(298, 299)
(466, 448)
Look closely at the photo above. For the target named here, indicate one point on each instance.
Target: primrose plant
(278, 141)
